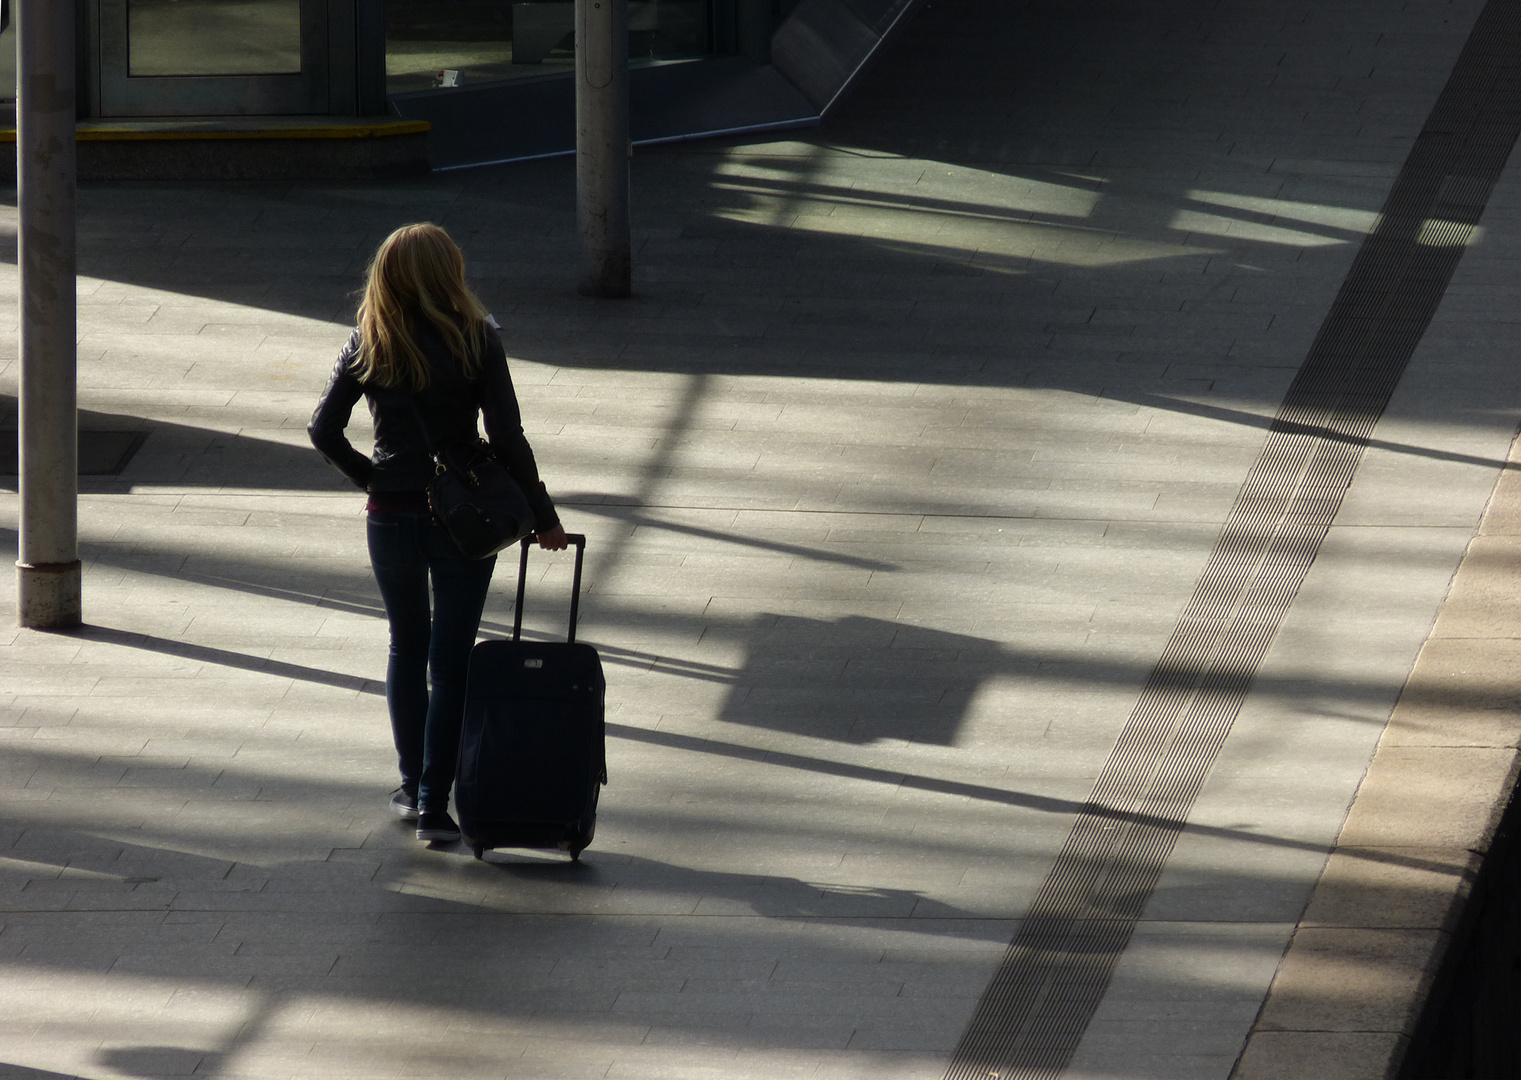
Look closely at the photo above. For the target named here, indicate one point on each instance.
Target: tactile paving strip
(1040, 1001)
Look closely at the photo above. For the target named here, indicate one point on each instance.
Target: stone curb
(1364, 958)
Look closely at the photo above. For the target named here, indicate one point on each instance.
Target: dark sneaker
(404, 805)
(437, 827)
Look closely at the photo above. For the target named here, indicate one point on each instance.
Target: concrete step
(247, 148)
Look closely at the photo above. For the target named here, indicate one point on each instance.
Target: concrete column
(602, 145)
(47, 572)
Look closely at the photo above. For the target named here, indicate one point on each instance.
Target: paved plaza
(897, 474)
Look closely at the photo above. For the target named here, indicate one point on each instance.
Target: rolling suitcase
(532, 759)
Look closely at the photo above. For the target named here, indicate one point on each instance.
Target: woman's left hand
(554, 539)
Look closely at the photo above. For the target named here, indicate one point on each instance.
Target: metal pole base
(48, 595)
(613, 283)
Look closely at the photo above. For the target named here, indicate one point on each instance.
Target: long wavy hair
(417, 273)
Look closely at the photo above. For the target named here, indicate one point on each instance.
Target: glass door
(212, 57)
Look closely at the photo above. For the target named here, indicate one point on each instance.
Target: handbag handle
(578, 541)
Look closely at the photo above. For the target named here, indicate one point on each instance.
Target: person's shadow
(715, 892)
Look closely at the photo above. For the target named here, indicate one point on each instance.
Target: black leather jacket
(402, 464)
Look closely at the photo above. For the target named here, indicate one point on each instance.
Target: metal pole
(47, 571)
(602, 145)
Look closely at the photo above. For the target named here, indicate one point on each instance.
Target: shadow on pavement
(345, 952)
(734, 282)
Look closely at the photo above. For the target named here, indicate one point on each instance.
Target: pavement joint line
(1044, 995)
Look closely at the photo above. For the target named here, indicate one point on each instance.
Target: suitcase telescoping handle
(577, 541)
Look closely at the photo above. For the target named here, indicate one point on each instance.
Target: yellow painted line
(333, 131)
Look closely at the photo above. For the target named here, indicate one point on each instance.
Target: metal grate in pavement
(1040, 1001)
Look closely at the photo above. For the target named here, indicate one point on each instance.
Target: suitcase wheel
(580, 840)
(480, 851)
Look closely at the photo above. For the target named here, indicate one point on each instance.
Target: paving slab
(897, 473)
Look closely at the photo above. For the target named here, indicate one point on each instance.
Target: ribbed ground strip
(1040, 1001)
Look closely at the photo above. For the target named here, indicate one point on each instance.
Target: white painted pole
(47, 571)
(602, 145)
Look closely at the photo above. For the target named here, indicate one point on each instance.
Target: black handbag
(474, 497)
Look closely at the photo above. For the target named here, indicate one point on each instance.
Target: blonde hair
(417, 271)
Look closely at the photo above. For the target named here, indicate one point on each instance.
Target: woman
(425, 349)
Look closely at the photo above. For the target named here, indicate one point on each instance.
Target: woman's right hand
(554, 539)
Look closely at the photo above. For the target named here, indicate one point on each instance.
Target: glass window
(465, 42)
(667, 29)
(213, 37)
(427, 38)
(8, 64)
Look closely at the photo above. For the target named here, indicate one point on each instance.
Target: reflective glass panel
(213, 37)
(8, 65)
(441, 43)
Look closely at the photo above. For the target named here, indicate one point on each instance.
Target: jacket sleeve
(504, 431)
(332, 416)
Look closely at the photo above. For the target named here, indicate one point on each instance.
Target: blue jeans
(406, 549)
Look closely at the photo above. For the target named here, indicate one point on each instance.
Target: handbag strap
(422, 425)
(434, 452)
